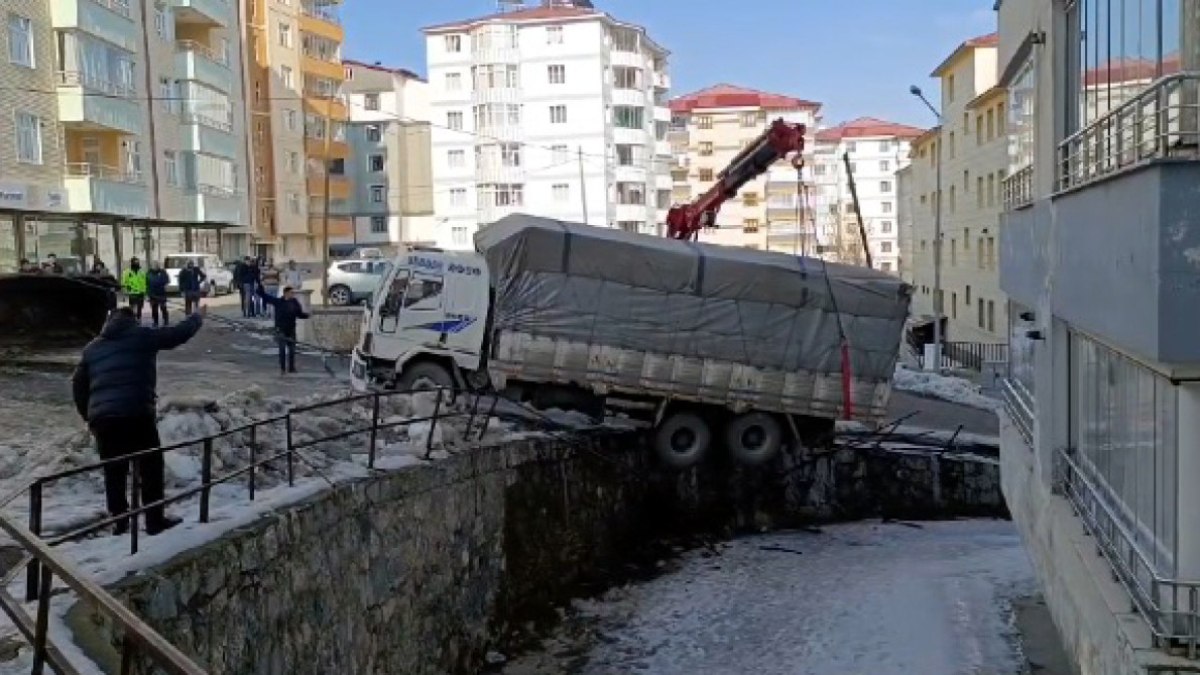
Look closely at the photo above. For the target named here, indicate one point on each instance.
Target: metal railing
(1019, 406)
(322, 12)
(112, 174)
(42, 564)
(118, 6)
(1016, 190)
(190, 117)
(202, 50)
(1171, 607)
(1160, 121)
(968, 355)
(77, 78)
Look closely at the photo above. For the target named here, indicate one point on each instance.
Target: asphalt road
(932, 413)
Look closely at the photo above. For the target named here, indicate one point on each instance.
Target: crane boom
(684, 221)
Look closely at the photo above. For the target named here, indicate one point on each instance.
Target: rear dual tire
(684, 439)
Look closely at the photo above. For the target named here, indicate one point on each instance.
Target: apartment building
(121, 108)
(1100, 443)
(871, 151)
(558, 110)
(972, 146)
(708, 129)
(904, 226)
(389, 166)
(298, 125)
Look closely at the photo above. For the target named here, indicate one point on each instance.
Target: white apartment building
(708, 129)
(974, 159)
(558, 111)
(877, 150)
(1100, 441)
(389, 164)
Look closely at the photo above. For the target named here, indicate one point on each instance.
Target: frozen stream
(883, 599)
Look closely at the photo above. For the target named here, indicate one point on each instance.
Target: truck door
(393, 301)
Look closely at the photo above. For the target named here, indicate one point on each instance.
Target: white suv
(218, 279)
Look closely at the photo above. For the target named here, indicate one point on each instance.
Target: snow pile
(944, 387)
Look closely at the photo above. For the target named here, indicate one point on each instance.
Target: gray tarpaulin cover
(769, 310)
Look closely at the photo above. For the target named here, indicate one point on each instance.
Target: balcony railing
(1019, 406)
(119, 6)
(111, 174)
(321, 12)
(77, 78)
(1159, 122)
(1016, 190)
(201, 49)
(190, 117)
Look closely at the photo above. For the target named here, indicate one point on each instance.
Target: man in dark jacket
(157, 280)
(287, 310)
(190, 280)
(115, 391)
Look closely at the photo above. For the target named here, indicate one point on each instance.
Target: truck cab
(427, 323)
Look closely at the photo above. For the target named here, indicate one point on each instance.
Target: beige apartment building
(298, 125)
(124, 108)
(708, 128)
(974, 157)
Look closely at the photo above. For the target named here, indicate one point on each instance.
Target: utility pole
(862, 230)
(583, 187)
(937, 234)
(325, 205)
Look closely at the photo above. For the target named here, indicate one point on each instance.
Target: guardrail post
(43, 625)
(205, 478)
(437, 411)
(253, 460)
(374, 430)
(291, 471)
(134, 504)
(34, 569)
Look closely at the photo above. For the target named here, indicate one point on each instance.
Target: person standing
(239, 272)
(287, 310)
(52, 264)
(191, 279)
(292, 276)
(270, 282)
(157, 280)
(250, 281)
(133, 282)
(115, 390)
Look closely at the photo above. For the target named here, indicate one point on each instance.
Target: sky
(857, 57)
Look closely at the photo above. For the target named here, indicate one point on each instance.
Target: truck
(707, 344)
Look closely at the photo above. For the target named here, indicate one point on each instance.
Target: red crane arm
(684, 221)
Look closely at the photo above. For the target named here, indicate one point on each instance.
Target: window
(289, 120)
(161, 25)
(885, 146)
(20, 40)
(750, 199)
(979, 252)
(458, 196)
(29, 138)
(885, 226)
(285, 35)
(629, 117)
(885, 186)
(706, 148)
(750, 226)
(166, 93)
(293, 162)
(1001, 120)
(375, 162)
(560, 154)
(885, 247)
(966, 180)
(953, 252)
(991, 316)
(991, 124)
(502, 194)
(631, 193)
(630, 155)
(455, 159)
(966, 239)
(991, 253)
(705, 175)
(454, 43)
(968, 296)
(979, 137)
(170, 167)
(991, 189)
(561, 192)
(285, 76)
(453, 82)
(851, 146)
(626, 77)
(378, 194)
(554, 35)
(749, 119)
(510, 154)
(458, 235)
(949, 89)
(378, 225)
(1021, 95)
(886, 206)
(556, 74)
(950, 149)
(953, 198)
(885, 165)
(558, 114)
(371, 101)
(454, 121)
(704, 121)
(293, 201)
(885, 266)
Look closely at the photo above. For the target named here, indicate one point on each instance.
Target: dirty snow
(944, 387)
(884, 599)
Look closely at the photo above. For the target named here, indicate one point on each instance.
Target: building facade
(708, 129)
(874, 150)
(122, 108)
(973, 154)
(1100, 443)
(558, 111)
(389, 166)
(298, 117)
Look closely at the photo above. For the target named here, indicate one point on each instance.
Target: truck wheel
(754, 438)
(682, 440)
(424, 376)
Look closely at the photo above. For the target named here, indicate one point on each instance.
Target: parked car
(218, 279)
(354, 281)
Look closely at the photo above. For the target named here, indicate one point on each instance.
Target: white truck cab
(427, 323)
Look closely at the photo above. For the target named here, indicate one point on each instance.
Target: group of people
(254, 274)
(150, 285)
(49, 266)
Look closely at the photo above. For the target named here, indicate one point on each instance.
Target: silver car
(354, 281)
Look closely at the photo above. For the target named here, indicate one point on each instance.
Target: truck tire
(682, 440)
(424, 376)
(754, 438)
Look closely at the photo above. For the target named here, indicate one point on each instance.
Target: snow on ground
(884, 599)
(944, 387)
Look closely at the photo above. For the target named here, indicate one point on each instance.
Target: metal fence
(42, 564)
(964, 355)
(1157, 121)
(1019, 406)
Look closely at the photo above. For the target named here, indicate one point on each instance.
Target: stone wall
(422, 570)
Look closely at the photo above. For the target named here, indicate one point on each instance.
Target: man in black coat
(287, 310)
(115, 391)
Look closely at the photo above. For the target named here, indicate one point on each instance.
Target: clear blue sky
(858, 57)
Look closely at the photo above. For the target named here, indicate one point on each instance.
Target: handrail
(1016, 189)
(1161, 121)
(77, 78)
(101, 172)
(191, 117)
(327, 15)
(118, 6)
(201, 49)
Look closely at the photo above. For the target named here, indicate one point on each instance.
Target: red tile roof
(868, 127)
(989, 40)
(1131, 70)
(531, 14)
(732, 96)
(402, 72)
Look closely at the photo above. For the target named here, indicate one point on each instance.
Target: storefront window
(8, 247)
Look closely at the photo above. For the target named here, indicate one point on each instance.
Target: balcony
(313, 64)
(321, 20)
(212, 204)
(196, 61)
(91, 103)
(94, 188)
(662, 81)
(486, 95)
(110, 20)
(623, 136)
(629, 97)
(489, 132)
(205, 138)
(630, 59)
(631, 212)
(314, 148)
(1016, 190)
(201, 119)
(339, 186)
(212, 13)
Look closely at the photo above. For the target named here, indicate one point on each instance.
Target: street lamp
(937, 233)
